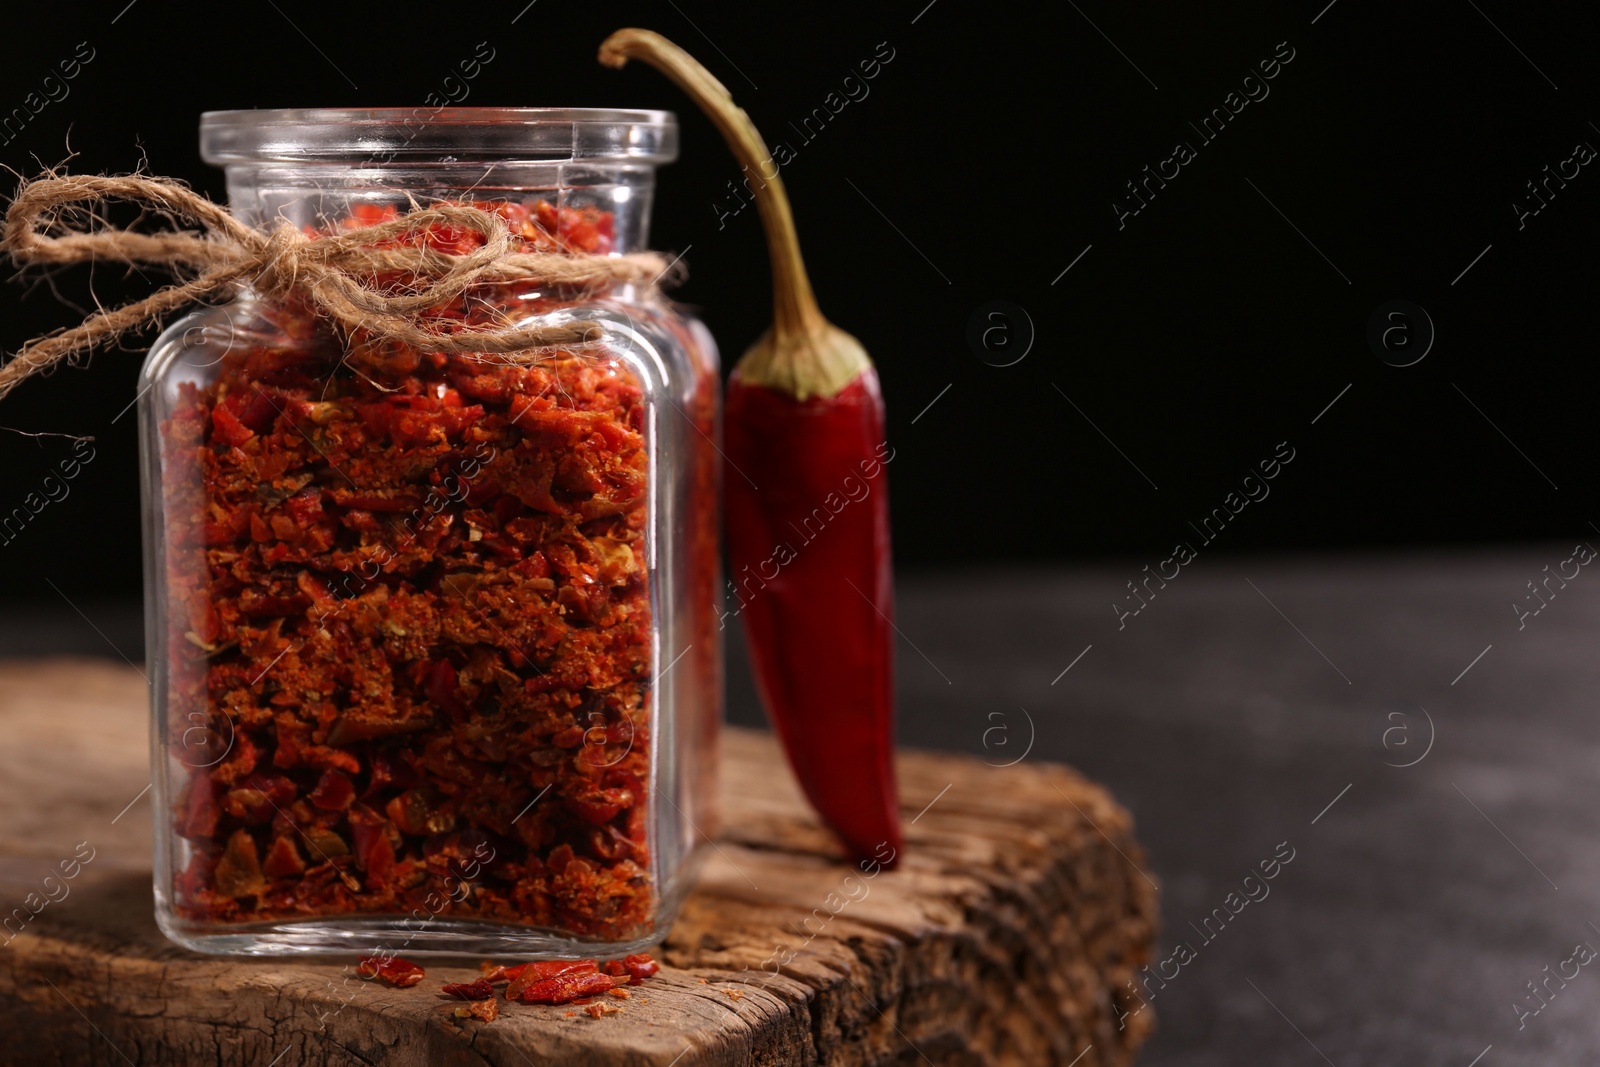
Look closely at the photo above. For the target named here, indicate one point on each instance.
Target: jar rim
(431, 135)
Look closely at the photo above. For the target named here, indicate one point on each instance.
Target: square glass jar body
(436, 666)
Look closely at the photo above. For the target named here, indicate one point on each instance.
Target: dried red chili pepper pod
(807, 511)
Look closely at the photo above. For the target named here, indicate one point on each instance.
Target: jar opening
(424, 136)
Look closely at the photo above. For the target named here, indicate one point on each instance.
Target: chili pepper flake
(485, 1010)
(637, 967)
(397, 972)
(640, 967)
(478, 989)
(495, 973)
(565, 988)
(409, 587)
(521, 977)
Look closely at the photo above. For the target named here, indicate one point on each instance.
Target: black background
(1197, 338)
(985, 159)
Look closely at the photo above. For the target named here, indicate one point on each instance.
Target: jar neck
(324, 195)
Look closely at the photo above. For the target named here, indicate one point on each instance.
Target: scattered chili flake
(410, 588)
(565, 988)
(543, 971)
(494, 972)
(391, 969)
(637, 967)
(734, 994)
(597, 1010)
(620, 993)
(474, 990)
(486, 1010)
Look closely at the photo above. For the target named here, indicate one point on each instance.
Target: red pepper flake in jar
(408, 590)
(395, 971)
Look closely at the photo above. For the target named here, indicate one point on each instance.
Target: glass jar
(436, 661)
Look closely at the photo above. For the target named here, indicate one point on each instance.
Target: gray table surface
(1257, 701)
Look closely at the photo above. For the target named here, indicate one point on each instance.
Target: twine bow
(331, 270)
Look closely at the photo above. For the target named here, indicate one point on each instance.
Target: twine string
(336, 272)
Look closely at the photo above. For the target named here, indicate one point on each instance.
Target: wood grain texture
(1006, 937)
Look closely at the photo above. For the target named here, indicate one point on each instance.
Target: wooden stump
(1006, 937)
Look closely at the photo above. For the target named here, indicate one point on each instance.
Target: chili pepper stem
(803, 355)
